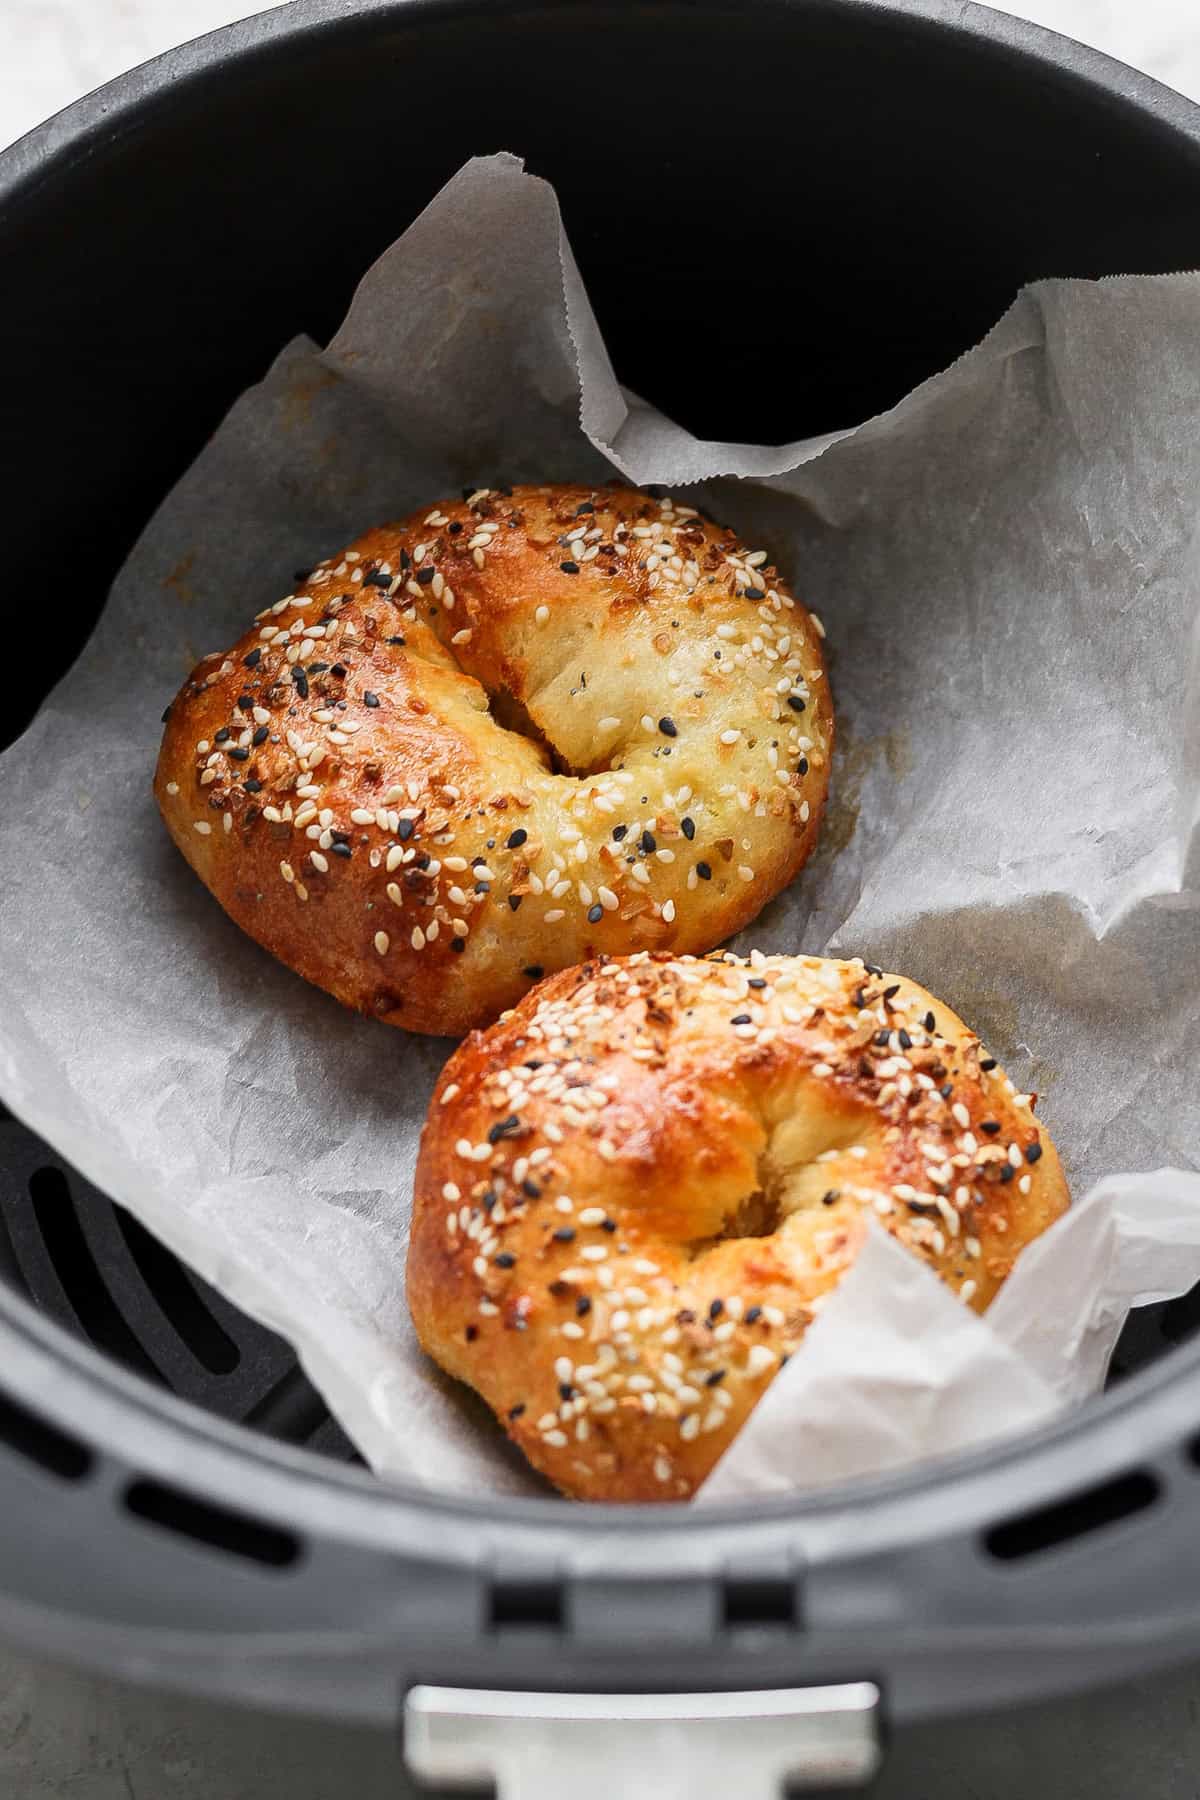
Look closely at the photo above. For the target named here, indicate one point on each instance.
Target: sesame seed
(730, 736)
(961, 1116)
(202, 826)
(382, 942)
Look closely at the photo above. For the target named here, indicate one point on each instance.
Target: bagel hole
(759, 1215)
(512, 715)
(756, 1215)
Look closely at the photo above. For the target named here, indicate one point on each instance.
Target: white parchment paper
(1006, 564)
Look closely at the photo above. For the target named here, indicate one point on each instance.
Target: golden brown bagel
(339, 783)
(634, 1190)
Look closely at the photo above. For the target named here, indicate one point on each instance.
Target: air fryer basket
(165, 1515)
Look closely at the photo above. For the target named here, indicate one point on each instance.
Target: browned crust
(658, 1094)
(470, 815)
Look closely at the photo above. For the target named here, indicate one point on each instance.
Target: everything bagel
(635, 1190)
(503, 736)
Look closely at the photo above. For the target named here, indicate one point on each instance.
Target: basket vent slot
(758, 1600)
(216, 1527)
(42, 1443)
(77, 1271)
(1093, 1509)
(171, 1286)
(526, 1604)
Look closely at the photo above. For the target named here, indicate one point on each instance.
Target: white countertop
(51, 51)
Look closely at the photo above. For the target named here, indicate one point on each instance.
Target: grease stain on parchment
(853, 760)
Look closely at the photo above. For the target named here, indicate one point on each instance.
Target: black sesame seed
(889, 993)
(565, 1234)
(565, 1390)
(397, 639)
(647, 842)
(883, 1039)
(569, 568)
(505, 1260)
(504, 1128)
(796, 703)
(341, 850)
(757, 981)
(904, 1040)
(252, 661)
(871, 969)
(252, 786)
(455, 527)
(374, 578)
(370, 699)
(583, 1306)
(587, 507)
(223, 736)
(668, 728)
(237, 754)
(1033, 1153)
(802, 766)
(482, 887)
(716, 1308)
(929, 1022)
(489, 1200)
(405, 560)
(713, 1380)
(531, 1190)
(514, 901)
(514, 1412)
(458, 945)
(260, 736)
(471, 1333)
(608, 1225)
(688, 827)
(534, 971)
(829, 1196)
(703, 871)
(619, 831)
(991, 1126)
(740, 1019)
(753, 1315)
(300, 683)
(595, 914)
(1007, 1171)
(946, 1091)
(756, 593)
(245, 703)
(516, 838)
(338, 671)
(987, 1062)
(405, 829)
(425, 576)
